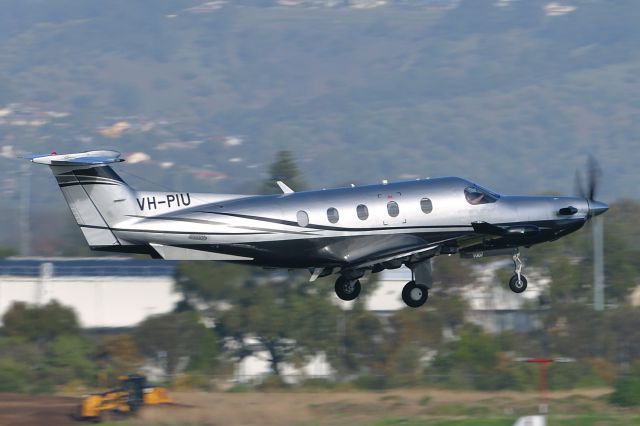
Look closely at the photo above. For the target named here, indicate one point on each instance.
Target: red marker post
(543, 363)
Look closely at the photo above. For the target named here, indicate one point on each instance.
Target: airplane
(343, 231)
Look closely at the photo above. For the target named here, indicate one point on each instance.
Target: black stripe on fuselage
(150, 231)
(212, 222)
(548, 224)
(332, 228)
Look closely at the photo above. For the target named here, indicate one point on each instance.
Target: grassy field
(584, 420)
(392, 408)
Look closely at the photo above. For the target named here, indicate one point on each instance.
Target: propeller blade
(595, 173)
(577, 183)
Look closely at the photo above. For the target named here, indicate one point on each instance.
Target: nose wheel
(415, 295)
(347, 289)
(518, 282)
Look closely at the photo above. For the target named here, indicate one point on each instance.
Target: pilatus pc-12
(346, 231)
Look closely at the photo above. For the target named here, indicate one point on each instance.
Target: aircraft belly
(325, 251)
(284, 250)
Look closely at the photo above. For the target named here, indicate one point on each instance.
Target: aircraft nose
(597, 207)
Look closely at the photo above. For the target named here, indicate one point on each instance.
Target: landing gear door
(391, 208)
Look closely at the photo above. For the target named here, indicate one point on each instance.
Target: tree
(13, 376)
(361, 343)
(176, 336)
(69, 358)
(40, 323)
(284, 168)
(117, 354)
(474, 360)
(413, 332)
(290, 320)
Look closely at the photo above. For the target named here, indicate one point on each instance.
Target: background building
(104, 292)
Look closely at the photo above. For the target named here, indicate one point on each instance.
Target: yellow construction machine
(124, 400)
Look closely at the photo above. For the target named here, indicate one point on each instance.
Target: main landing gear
(415, 295)
(518, 282)
(416, 292)
(347, 289)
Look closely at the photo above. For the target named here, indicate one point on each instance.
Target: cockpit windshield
(477, 195)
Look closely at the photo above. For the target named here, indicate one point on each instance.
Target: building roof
(87, 267)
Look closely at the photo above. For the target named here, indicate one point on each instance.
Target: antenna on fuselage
(284, 188)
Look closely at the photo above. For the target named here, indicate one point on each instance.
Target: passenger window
(393, 209)
(426, 205)
(476, 195)
(332, 215)
(303, 218)
(362, 211)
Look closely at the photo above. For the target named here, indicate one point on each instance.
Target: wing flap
(181, 253)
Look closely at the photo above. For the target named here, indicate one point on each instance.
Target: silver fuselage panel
(267, 229)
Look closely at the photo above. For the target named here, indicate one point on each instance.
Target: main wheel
(415, 295)
(518, 285)
(347, 289)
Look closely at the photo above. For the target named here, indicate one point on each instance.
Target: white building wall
(258, 366)
(98, 301)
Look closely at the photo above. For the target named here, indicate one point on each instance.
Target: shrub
(626, 391)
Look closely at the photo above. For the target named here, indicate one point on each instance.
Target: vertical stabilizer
(98, 198)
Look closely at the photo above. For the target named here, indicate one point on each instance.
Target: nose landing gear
(518, 282)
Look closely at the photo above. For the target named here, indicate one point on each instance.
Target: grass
(585, 420)
(403, 407)
(466, 422)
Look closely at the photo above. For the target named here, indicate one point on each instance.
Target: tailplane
(98, 198)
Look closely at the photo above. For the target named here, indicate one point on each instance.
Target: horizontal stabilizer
(90, 158)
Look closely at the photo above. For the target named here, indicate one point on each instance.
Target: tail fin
(98, 198)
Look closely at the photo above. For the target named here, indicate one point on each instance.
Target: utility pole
(598, 264)
(24, 214)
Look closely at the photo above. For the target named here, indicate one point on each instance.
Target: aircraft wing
(390, 258)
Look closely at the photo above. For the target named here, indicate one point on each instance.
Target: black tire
(518, 286)
(415, 295)
(347, 289)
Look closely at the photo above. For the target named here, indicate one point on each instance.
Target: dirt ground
(24, 410)
(300, 408)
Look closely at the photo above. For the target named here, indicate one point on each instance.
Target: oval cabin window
(303, 218)
(363, 212)
(332, 215)
(426, 205)
(393, 209)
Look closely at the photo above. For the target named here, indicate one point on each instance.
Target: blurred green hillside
(508, 95)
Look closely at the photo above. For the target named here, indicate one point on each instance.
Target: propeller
(586, 186)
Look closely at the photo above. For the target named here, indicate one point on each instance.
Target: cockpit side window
(476, 195)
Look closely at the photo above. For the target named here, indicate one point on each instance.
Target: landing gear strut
(518, 282)
(347, 289)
